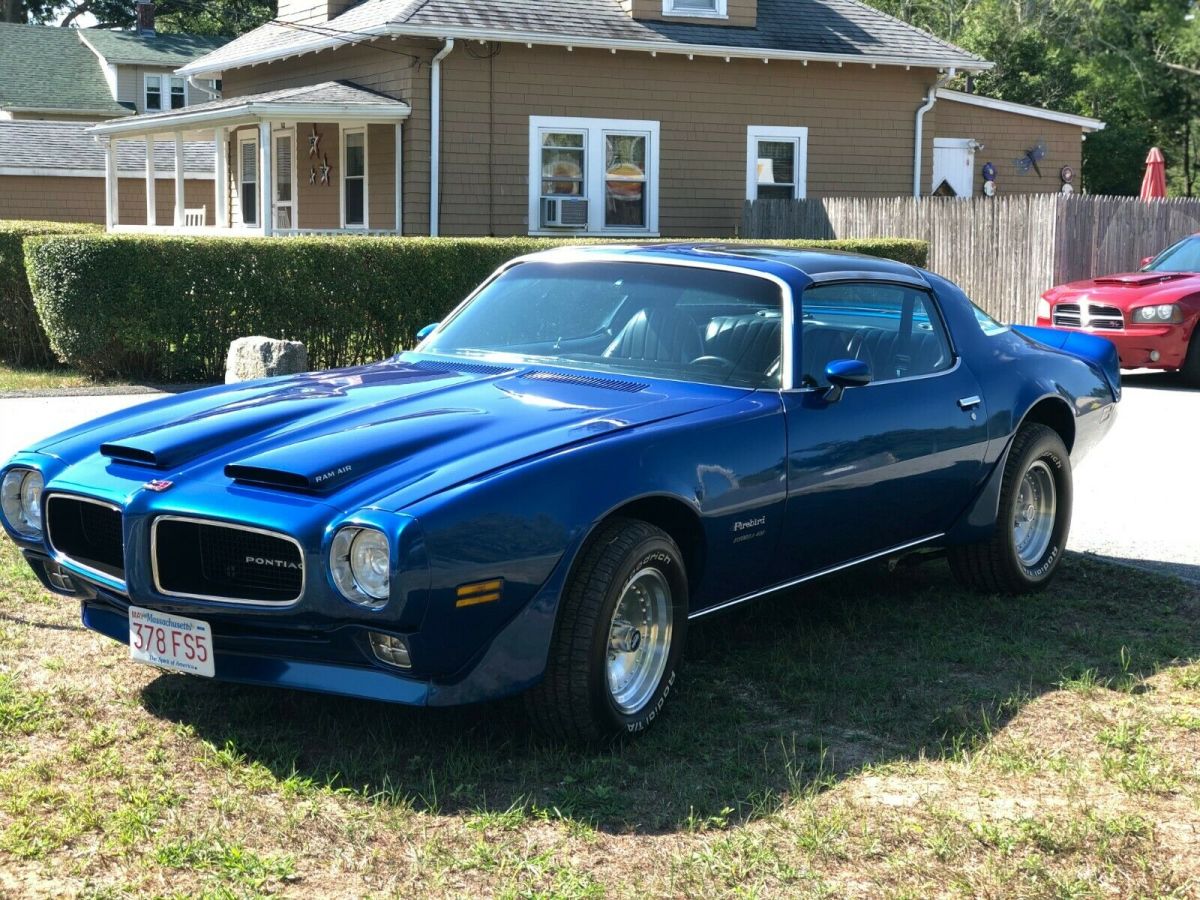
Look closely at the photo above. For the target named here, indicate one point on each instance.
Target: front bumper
(332, 661)
(1138, 345)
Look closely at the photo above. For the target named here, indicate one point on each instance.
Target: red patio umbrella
(1154, 184)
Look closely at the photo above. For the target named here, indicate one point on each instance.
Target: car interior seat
(659, 334)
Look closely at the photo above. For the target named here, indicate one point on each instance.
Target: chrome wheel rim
(1033, 518)
(639, 640)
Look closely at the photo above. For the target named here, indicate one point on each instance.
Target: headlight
(1043, 308)
(21, 496)
(1163, 313)
(361, 564)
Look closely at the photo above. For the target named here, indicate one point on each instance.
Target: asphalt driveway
(1137, 497)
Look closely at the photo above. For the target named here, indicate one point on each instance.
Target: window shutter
(249, 162)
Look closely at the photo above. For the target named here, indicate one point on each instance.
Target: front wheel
(1191, 363)
(1034, 516)
(618, 638)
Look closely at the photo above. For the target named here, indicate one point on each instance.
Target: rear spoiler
(1100, 353)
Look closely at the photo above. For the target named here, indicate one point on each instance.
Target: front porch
(322, 159)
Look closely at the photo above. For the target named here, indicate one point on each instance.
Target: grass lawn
(875, 735)
(40, 379)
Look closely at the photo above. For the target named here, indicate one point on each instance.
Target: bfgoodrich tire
(618, 638)
(1034, 516)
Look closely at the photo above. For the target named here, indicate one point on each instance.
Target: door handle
(969, 402)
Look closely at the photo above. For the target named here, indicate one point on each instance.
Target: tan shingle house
(598, 117)
(56, 82)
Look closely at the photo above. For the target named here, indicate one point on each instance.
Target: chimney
(145, 17)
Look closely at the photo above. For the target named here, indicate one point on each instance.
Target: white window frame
(594, 131)
(249, 137)
(163, 81)
(798, 136)
(366, 176)
(720, 10)
(294, 204)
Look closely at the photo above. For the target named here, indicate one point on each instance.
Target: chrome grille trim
(1096, 316)
(217, 523)
(81, 568)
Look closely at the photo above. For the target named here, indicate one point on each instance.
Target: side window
(895, 329)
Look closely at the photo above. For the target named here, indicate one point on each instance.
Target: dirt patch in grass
(873, 735)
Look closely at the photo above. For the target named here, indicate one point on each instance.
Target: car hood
(1127, 289)
(404, 429)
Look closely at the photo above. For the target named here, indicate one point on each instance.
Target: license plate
(170, 642)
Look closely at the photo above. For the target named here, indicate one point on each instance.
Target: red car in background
(1151, 315)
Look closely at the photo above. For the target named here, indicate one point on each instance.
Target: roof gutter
(59, 111)
(963, 64)
(435, 132)
(919, 128)
(391, 112)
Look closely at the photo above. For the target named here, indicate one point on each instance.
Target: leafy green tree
(1128, 62)
(215, 17)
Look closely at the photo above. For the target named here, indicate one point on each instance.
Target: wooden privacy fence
(1003, 251)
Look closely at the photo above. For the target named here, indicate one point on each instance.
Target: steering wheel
(720, 363)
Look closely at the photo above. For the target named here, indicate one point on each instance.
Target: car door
(889, 463)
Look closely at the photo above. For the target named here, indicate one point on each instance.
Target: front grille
(215, 561)
(87, 532)
(1068, 315)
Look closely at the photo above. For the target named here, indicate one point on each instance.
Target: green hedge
(22, 340)
(167, 307)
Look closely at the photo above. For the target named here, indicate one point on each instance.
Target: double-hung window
(595, 176)
(165, 92)
(706, 8)
(248, 178)
(354, 178)
(776, 163)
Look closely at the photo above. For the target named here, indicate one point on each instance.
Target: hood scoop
(610, 384)
(332, 460)
(1141, 279)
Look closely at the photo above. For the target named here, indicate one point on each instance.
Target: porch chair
(195, 218)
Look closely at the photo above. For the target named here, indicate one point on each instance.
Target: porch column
(112, 216)
(399, 178)
(266, 214)
(151, 206)
(221, 177)
(180, 201)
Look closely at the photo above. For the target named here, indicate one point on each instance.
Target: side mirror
(427, 330)
(1146, 261)
(845, 373)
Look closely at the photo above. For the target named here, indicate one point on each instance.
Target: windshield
(680, 322)
(1181, 257)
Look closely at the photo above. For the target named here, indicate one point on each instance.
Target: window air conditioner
(564, 212)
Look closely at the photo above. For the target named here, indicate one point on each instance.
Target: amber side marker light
(479, 592)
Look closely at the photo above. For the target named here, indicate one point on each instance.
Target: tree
(215, 17)
(1127, 62)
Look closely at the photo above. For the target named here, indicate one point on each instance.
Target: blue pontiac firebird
(597, 446)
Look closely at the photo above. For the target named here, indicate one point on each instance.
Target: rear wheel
(618, 637)
(1034, 516)
(1191, 363)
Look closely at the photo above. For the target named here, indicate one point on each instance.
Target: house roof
(45, 69)
(66, 148)
(1020, 109)
(131, 48)
(841, 30)
(339, 99)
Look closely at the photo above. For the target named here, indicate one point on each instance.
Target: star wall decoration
(312, 175)
(325, 169)
(314, 142)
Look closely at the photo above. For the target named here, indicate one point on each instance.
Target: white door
(954, 164)
(283, 171)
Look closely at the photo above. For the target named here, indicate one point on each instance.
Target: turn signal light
(390, 649)
(479, 592)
